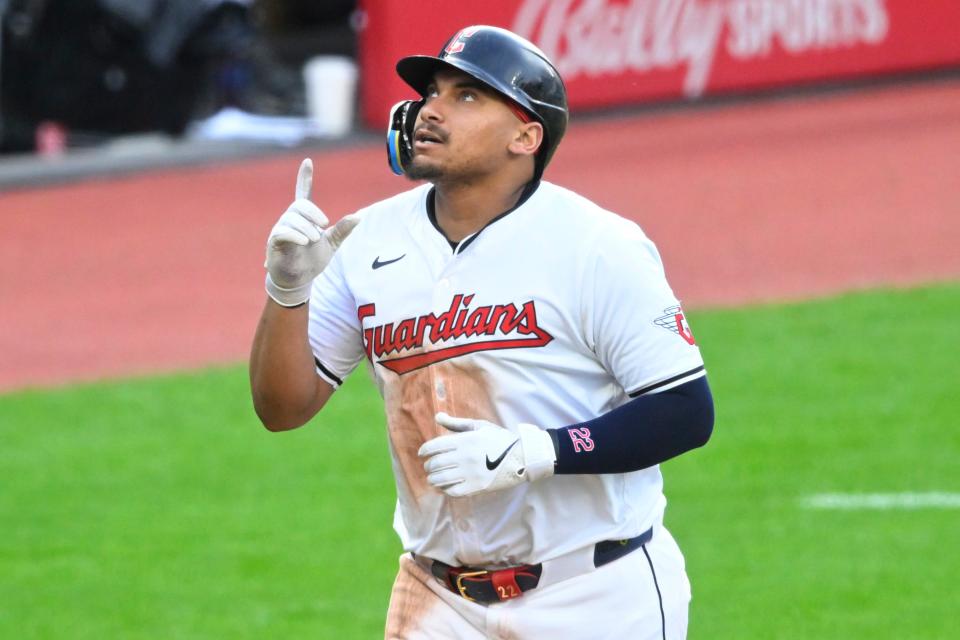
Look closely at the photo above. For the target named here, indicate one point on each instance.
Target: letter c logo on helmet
(510, 65)
(456, 44)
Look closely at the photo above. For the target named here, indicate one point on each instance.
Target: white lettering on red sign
(600, 37)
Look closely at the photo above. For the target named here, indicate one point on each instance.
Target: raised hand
(300, 245)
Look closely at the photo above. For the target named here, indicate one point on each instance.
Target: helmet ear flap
(403, 117)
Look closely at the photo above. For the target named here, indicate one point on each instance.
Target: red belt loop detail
(505, 583)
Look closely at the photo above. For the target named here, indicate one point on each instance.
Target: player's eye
(468, 96)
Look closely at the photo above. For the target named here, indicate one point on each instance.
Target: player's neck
(465, 209)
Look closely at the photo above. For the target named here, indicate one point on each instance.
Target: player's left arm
(479, 456)
(635, 326)
(645, 431)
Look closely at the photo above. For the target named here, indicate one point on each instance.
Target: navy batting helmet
(501, 60)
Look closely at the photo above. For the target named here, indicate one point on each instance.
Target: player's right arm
(286, 390)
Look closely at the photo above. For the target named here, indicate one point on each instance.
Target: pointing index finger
(305, 179)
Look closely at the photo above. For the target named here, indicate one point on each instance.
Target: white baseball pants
(643, 596)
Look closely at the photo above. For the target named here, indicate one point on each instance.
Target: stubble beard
(463, 173)
(428, 172)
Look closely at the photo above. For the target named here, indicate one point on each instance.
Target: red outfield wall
(613, 52)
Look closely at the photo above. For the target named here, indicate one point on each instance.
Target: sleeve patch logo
(674, 320)
(581, 439)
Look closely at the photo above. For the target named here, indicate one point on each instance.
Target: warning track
(761, 201)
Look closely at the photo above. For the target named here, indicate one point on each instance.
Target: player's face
(462, 131)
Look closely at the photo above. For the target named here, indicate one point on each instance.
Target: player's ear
(527, 138)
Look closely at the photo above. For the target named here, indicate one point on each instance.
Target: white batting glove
(300, 246)
(481, 456)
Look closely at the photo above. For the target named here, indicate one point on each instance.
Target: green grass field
(159, 508)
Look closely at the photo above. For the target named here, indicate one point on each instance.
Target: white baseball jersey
(552, 314)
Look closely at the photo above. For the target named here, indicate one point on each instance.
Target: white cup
(331, 83)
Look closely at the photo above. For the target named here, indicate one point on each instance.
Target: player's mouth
(425, 138)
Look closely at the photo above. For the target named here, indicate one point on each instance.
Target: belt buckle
(467, 574)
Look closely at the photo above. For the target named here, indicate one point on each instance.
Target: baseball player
(534, 364)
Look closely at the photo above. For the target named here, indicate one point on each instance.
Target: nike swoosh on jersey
(496, 463)
(377, 264)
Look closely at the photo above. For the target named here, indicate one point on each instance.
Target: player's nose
(431, 111)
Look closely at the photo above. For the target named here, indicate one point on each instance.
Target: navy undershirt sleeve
(639, 434)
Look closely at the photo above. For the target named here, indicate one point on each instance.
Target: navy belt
(487, 586)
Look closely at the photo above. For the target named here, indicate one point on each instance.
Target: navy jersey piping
(327, 371)
(653, 387)
(528, 191)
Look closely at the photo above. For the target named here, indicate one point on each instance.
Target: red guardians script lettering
(494, 327)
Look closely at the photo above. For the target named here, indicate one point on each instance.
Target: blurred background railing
(76, 73)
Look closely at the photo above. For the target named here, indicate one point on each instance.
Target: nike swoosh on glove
(481, 456)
